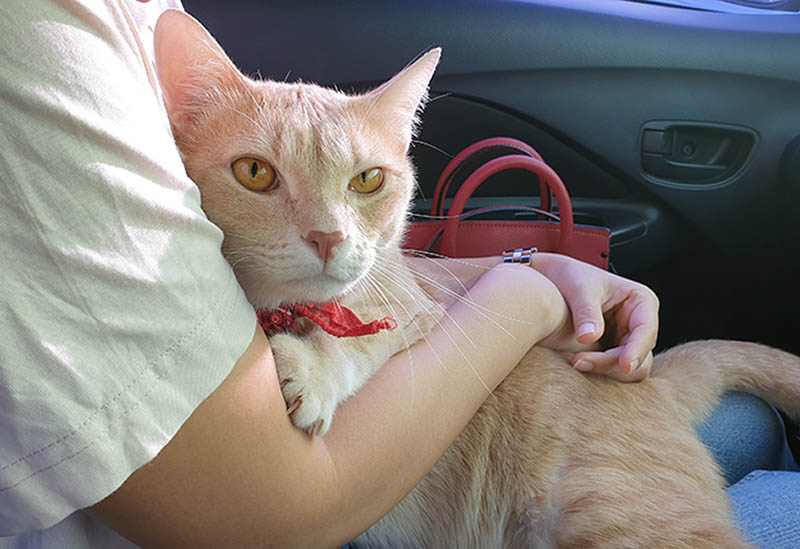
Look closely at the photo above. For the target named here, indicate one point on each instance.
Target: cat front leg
(316, 374)
(318, 371)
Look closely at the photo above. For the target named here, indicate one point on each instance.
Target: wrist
(551, 266)
(534, 291)
(547, 262)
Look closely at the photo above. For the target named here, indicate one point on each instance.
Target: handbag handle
(547, 177)
(452, 168)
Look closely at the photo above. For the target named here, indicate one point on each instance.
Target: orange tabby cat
(312, 188)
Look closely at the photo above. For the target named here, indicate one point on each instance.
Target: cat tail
(697, 374)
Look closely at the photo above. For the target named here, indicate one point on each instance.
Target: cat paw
(306, 413)
(311, 396)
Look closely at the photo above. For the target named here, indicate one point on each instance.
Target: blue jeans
(748, 439)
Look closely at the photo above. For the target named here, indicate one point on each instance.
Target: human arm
(614, 319)
(618, 314)
(238, 473)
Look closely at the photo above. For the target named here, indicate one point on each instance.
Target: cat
(300, 177)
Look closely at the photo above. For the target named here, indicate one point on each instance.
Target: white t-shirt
(118, 313)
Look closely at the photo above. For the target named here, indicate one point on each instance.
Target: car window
(752, 7)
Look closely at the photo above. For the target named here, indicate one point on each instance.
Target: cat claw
(294, 406)
(317, 428)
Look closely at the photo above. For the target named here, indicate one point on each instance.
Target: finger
(607, 363)
(642, 324)
(587, 314)
(597, 362)
(637, 345)
(639, 374)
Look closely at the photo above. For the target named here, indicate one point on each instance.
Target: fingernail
(584, 366)
(586, 328)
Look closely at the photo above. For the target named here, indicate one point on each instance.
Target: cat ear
(398, 102)
(192, 67)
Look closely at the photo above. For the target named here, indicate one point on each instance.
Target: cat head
(311, 186)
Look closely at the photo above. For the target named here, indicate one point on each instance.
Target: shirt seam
(125, 390)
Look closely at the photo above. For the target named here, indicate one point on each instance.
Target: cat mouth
(321, 287)
(303, 283)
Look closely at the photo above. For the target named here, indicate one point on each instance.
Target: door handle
(694, 153)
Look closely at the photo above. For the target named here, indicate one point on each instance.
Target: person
(139, 400)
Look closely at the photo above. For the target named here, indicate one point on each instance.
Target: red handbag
(455, 235)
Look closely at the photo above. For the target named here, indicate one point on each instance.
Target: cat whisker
(406, 286)
(408, 345)
(437, 217)
(244, 115)
(257, 105)
(449, 336)
(487, 313)
(370, 286)
(417, 192)
(258, 265)
(422, 254)
(249, 248)
(242, 237)
(377, 285)
(382, 290)
(370, 283)
(234, 258)
(236, 263)
(367, 115)
(390, 274)
(431, 146)
(440, 96)
(222, 96)
(442, 265)
(235, 253)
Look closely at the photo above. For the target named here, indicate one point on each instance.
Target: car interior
(674, 123)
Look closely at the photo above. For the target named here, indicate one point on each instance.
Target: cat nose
(323, 243)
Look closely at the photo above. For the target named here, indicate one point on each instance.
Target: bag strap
(513, 146)
(546, 176)
(432, 240)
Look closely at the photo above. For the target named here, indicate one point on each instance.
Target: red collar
(336, 320)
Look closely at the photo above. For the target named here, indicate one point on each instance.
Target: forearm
(238, 473)
(382, 448)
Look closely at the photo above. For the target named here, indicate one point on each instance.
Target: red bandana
(336, 320)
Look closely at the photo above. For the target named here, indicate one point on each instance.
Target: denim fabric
(744, 434)
(767, 507)
(747, 435)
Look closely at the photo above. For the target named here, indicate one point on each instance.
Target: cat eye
(254, 174)
(368, 181)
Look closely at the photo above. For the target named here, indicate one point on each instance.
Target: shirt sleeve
(119, 314)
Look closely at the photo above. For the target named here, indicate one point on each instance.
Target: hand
(617, 316)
